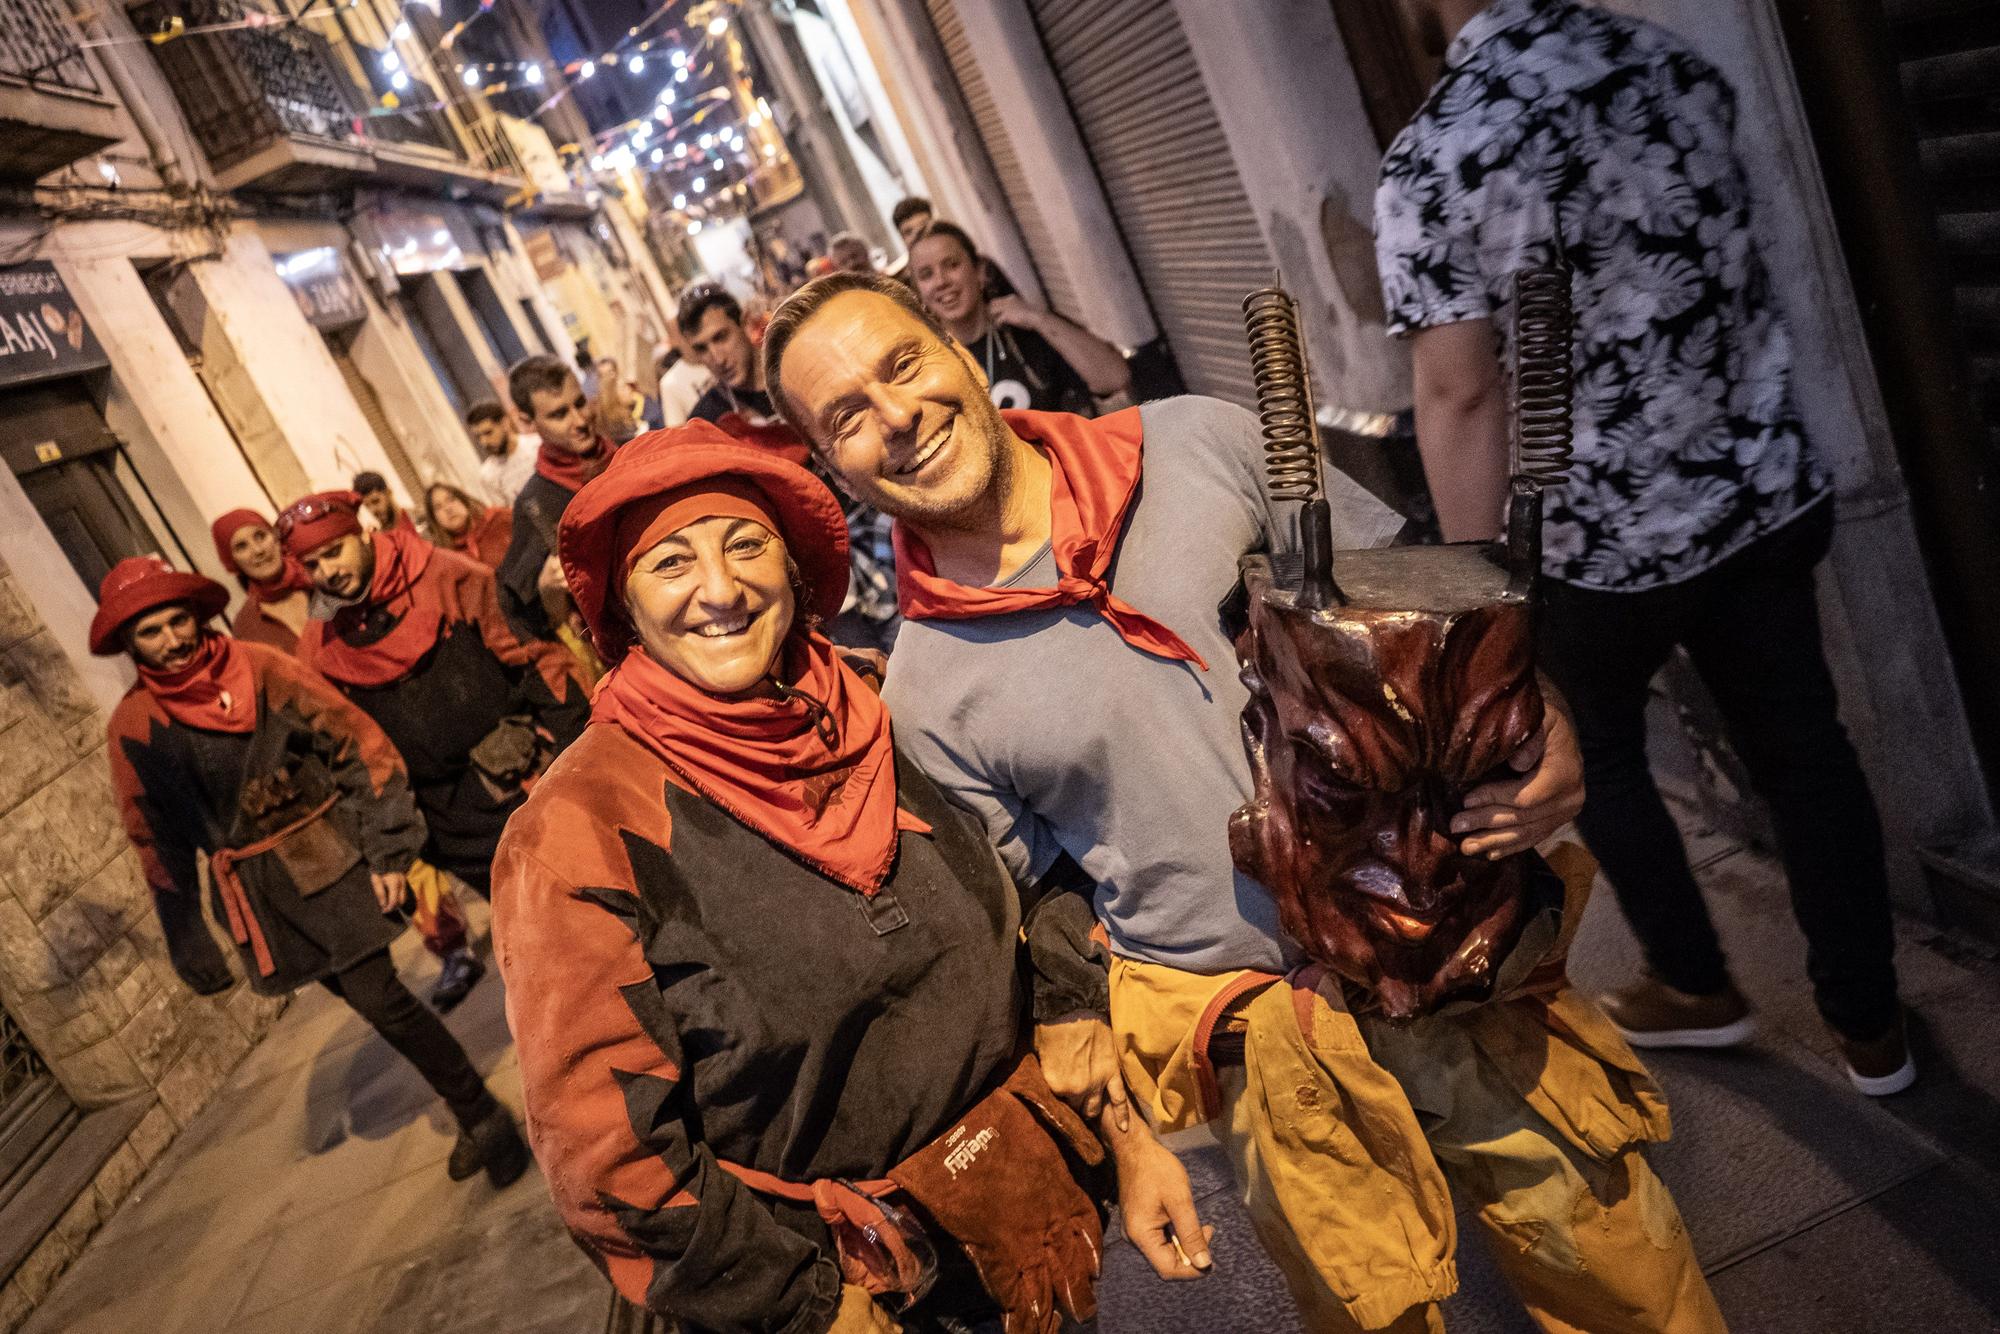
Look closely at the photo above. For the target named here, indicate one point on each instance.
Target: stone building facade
(83, 965)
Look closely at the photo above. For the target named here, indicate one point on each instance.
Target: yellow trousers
(1349, 1137)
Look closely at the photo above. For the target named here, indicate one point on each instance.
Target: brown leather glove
(999, 1184)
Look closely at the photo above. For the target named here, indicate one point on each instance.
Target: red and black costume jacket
(473, 679)
(684, 991)
(184, 791)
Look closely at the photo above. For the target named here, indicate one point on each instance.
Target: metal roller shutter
(1021, 192)
(371, 407)
(1151, 131)
(1949, 53)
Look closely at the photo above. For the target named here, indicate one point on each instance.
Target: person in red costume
(763, 974)
(304, 810)
(460, 523)
(573, 450)
(277, 592)
(414, 636)
(275, 587)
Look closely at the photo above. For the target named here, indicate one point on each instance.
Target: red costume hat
(313, 521)
(139, 584)
(224, 528)
(662, 467)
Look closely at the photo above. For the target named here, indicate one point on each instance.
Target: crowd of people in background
(761, 507)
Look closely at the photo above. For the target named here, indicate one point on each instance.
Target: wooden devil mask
(1368, 722)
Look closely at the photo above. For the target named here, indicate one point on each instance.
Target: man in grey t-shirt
(1064, 672)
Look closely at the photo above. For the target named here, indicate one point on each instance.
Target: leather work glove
(999, 1183)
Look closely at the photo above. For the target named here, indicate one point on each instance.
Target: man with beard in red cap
(415, 637)
(305, 812)
(277, 591)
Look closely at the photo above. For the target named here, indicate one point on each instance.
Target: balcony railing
(38, 45)
(242, 89)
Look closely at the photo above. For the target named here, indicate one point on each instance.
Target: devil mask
(1367, 724)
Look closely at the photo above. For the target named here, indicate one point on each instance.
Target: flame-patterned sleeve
(363, 761)
(164, 838)
(609, 1113)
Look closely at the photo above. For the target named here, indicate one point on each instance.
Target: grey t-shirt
(1064, 738)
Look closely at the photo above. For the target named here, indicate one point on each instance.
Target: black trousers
(379, 996)
(1751, 627)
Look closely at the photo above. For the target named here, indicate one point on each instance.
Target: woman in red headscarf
(460, 523)
(762, 974)
(276, 588)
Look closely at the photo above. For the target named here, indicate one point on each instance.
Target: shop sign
(42, 333)
(545, 255)
(326, 291)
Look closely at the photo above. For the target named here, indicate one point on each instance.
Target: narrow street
(311, 1195)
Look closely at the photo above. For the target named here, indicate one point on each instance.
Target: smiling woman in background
(460, 523)
(276, 588)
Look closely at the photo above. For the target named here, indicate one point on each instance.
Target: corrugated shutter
(1151, 130)
(1021, 193)
(370, 404)
(1949, 52)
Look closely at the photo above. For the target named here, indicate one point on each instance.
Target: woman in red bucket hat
(276, 588)
(763, 975)
(303, 808)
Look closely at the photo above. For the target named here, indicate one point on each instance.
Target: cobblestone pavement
(311, 1198)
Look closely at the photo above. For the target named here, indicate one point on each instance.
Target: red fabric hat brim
(143, 590)
(814, 529)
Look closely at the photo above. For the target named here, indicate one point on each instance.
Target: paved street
(311, 1197)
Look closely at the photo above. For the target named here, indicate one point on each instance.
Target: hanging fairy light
(532, 76)
(657, 156)
(471, 76)
(597, 162)
(707, 142)
(586, 69)
(681, 75)
(680, 150)
(401, 32)
(399, 81)
(694, 228)
(718, 25)
(637, 64)
(679, 57)
(391, 62)
(680, 201)
(699, 184)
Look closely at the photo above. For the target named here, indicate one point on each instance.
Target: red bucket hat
(813, 527)
(137, 585)
(313, 521)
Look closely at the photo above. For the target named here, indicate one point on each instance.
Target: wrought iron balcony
(52, 110)
(267, 104)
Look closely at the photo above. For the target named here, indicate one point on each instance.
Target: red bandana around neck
(825, 793)
(292, 579)
(1095, 474)
(570, 470)
(400, 561)
(217, 691)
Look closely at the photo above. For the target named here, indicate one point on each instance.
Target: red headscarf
(314, 520)
(292, 578)
(139, 584)
(400, 561)
(809, 765)
(1096, 475)
(217, 690)
(571, 470)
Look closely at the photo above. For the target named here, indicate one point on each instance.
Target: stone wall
(83, 966)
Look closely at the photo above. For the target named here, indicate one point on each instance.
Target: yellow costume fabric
(1348, 1135)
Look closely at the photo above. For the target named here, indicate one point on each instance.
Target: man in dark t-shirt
(1032, 358)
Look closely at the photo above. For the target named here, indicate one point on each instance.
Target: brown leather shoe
(1652, 1014)
(1880, 1066)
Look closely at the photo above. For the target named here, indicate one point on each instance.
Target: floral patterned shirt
(1688, 446)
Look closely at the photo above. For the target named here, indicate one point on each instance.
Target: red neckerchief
(571, 471)
(400, 561)
(217, 691)
(1096, 475)
(820, 785)
(292, 579)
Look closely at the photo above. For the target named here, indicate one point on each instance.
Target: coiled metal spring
(1544, 374)
(1284, 394)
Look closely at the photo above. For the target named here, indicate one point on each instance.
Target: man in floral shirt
(1694, 512)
